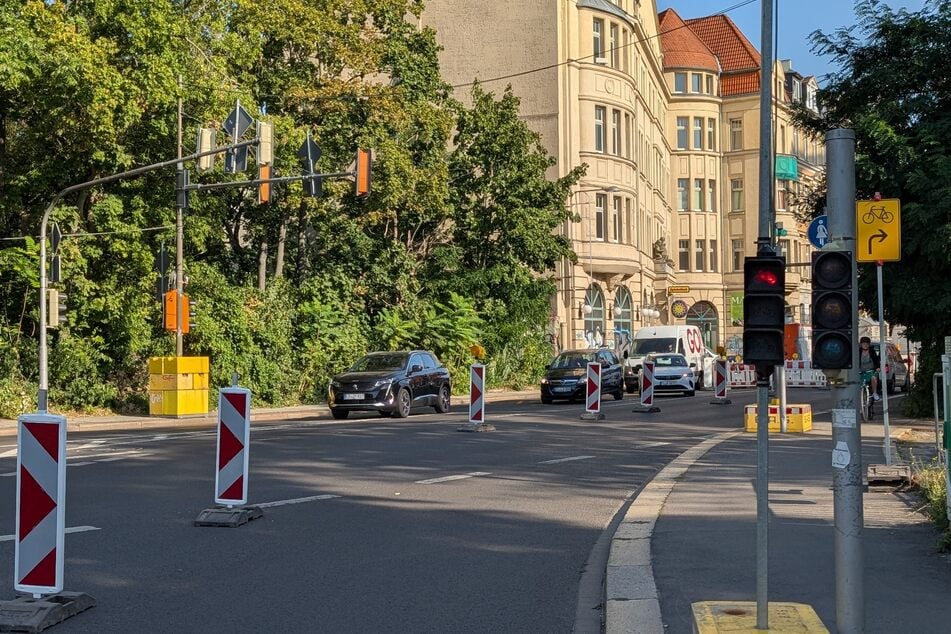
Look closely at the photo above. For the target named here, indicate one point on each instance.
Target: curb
(631, 601)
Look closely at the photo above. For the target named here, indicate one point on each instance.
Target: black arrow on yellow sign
(881, 236)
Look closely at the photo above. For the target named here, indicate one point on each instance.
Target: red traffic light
(766, 277)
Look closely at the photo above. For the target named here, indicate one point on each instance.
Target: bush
(17, 396)
(930, 480)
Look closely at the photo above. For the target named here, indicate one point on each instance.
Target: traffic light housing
(832, 310)
(364, 168)
(170, 312)
(764, 311)
(55, 309)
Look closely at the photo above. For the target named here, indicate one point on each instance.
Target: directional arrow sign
(878, 224)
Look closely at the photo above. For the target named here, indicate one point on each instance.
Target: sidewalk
(695, 532)
(258, 414)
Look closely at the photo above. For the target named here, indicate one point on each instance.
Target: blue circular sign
(819, 231)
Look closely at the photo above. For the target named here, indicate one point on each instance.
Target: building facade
(665, 114)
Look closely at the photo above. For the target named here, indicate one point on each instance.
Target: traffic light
(190, 306)
(764, 311)
(55, 309)
(364, 167)
(309, 153)
(832, 310)
(170, 321)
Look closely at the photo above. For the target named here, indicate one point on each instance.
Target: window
(737, 255)
(616, 132)
(599, 112)
(696, 80)
(709, 84)
(684, 249)
(713, 256)
(736, 194)
(680, 82)
(629, 219)
(712, 135)
(698, 133)
(601, 201)
(598, 38)
(711, 195)
(625, 53)
(782, 194)
(616, 219)
(627, 135)
(682, 133)
(698, 194)
(613, 42)
(682, 194)
(736, 134)
(699, 253)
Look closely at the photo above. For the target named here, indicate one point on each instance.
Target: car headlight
(335, 385)
(382, 382)
(544, 380)
(685, 375)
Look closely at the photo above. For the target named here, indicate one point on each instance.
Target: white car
(672, 373)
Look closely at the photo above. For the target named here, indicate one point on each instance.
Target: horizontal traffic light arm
(261, 181)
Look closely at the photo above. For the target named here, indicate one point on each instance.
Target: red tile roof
(727, 42)
(681, 46)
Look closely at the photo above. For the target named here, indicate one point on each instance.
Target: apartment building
(665, 113)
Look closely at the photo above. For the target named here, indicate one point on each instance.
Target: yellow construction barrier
(798, 417)
(178, 386)
(739, 617)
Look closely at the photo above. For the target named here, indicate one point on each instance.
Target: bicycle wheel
(887, 216)
(868, 218)
(865, 404)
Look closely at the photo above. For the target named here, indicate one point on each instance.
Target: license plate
(353, 397)
(667, 382)
(561, 389)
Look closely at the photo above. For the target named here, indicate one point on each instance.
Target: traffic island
(739, 617)
(28, 614)
(477, 427)
(228, 517)
(592, 416)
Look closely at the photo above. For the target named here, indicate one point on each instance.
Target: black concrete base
(477, 427)
(645, 409)
(592, 416)
(26, 614)
(230, 518)
(720, 401)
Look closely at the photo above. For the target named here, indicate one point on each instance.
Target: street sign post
(878, 230)
(819, 231)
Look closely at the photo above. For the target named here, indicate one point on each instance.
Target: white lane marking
(74, 529)
(111, 454)
(7, 454)
(93, 444)
(650, 445)
(565, 459)
(295, 501)
(453, 477)
(8, 475)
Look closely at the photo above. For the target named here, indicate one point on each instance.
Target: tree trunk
(279, 258)
(262, 266)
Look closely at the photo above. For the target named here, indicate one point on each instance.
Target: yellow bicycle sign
(878, 224)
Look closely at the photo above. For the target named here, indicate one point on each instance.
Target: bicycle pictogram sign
(877, 212)
(878, 230)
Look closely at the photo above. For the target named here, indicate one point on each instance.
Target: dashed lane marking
(312, 498)
(73, 529)
(557, 460)
(474, 474)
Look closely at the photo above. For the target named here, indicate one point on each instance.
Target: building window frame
(597, 38)
(600, 113)
(696, 83)
(712, 134)
(736, 134)
(613, 42)
(711, 194)
(683, 196)
(698, 133)
(682, 123)
(698, 192)
(700, 251)
(714, 256)
(736, 194)
(738, 254)
(616, 218)
(600, 203)
(616, 132)
(683, 249)
(680, 83)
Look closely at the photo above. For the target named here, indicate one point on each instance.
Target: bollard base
(230, 518)
(26, 614)
(720, 401)
(477, 427)
(720, 617)
(645, 409)
(592, 416)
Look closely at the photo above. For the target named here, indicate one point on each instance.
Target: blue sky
(796, 19)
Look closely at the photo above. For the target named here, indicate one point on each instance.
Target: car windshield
(670, 360)
(568, 360)
(647, 346)
(380, 362)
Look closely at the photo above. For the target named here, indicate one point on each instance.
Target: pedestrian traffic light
(764, 311)
(55, 308)
(832, 310)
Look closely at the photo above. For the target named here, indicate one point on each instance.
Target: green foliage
(16, 397)
(902, 151)
(931, 483)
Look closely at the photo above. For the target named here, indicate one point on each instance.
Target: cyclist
(869, 365)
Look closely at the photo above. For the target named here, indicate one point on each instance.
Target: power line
(559, 64)
(98, 233)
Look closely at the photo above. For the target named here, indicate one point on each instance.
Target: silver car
(672, 373)
(896, 370)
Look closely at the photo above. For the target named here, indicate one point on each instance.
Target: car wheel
(631, 390)
(442, 404)
(619, 394)
(546, 400)
(337, 413)
(402, 403)
(699, 382)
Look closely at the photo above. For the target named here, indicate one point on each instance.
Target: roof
(739, 59)
(681, 46)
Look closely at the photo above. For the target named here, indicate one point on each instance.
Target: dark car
(391, 383)
(566, 375)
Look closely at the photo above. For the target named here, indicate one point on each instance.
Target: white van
(685, 340)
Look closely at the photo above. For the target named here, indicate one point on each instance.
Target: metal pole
(767, 221)
(846, 431)
(781, 381)
(883, 374)
(179, 235)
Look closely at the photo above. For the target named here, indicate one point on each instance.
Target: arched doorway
(594, 324)
(704, 316)
(623, 321)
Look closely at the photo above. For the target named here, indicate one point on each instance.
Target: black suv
(391, 383)
(566, 375)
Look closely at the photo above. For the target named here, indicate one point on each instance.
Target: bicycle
(867, 402)
(877, 212)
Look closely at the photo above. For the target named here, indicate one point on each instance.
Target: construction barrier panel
(742, 375)
(647, 384)
(722, 371)
(802, 374)
(798, 418)
(41, 503)
(592, 404)
(178, 386)
(476, 393)
(234, 435)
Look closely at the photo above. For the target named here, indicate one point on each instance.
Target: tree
(893, 88)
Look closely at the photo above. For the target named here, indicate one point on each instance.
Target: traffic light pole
(846, 430)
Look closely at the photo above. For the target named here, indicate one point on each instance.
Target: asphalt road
(406, 526)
